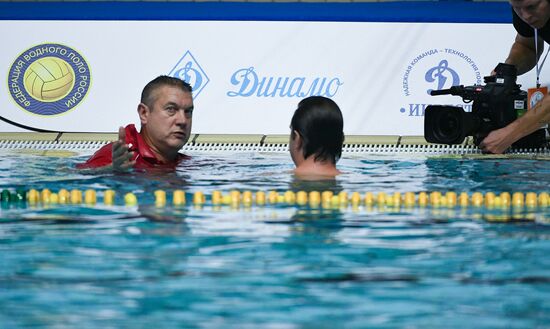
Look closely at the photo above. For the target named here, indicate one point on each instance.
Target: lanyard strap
(537, 57)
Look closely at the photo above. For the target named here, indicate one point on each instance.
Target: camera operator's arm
(522, 53)
(501, 139)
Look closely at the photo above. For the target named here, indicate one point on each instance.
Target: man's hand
(122, 156)
(496, 142)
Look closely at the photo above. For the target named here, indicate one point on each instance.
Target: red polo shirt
(144, 156)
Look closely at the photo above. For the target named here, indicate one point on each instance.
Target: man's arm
(501, 139)
(522, 53)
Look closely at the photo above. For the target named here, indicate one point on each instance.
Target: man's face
(168, 122)
(533, 12)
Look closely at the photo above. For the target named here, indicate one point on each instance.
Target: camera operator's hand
(497, 141)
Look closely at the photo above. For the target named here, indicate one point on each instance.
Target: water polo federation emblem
(49, 79)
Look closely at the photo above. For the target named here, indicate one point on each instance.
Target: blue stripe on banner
(409, 11)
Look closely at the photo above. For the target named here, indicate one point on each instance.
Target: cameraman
(528, 15)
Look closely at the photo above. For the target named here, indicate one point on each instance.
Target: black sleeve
(521, 27)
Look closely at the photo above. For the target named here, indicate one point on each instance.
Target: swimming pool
(276, 265)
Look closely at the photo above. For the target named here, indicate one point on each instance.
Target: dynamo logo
(49, 79)
(189, 70)
(439, 75)
(248, 83)
(436, 69)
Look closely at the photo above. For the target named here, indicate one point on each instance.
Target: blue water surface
(274, 266)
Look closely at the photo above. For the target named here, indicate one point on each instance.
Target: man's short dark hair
(147, 95)
(320, 123)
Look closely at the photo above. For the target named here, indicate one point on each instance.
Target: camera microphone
(454, 90)
(440, 92)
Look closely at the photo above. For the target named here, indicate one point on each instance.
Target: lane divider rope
(313, 199)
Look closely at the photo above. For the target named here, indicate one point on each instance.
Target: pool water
(275, 266)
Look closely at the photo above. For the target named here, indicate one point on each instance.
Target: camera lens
(445, 124)
(448, 126)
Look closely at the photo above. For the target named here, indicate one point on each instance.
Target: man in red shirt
(166, 113)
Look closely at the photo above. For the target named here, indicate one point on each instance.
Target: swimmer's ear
(297, 138)
(143, 111)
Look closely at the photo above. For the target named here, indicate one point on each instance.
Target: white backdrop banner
(248, 77)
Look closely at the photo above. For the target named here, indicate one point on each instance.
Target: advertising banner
(248, 77)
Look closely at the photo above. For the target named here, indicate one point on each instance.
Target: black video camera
(495, 105)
